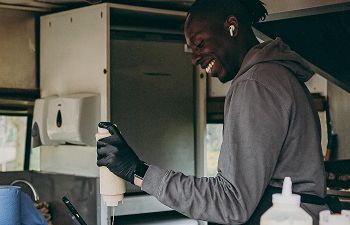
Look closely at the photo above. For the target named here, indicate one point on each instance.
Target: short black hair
(251, 11)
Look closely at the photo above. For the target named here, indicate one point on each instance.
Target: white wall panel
(74, 53)
(216, 88)
(339, 106)
(65, 159)
(317, 84)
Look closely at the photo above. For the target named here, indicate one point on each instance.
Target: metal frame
(141, 9)
(28, 145)
(306, 10)
(20, 102)
(200, 121)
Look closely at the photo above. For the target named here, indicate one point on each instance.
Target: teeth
(210, 66)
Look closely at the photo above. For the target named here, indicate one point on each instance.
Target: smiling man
(220, 38)
(271, 129)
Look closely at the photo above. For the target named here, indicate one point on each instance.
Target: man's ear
(231, 25)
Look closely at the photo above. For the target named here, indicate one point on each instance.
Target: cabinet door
(152, 101)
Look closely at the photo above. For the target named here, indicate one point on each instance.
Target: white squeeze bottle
(112, 188)
(286, 209)
(326, 218)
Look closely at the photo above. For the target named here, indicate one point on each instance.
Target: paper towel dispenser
(39, 130)
(68, 119)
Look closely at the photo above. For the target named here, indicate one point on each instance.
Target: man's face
(212, 48)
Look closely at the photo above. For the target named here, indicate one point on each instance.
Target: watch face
(137, 176)
(141, 170)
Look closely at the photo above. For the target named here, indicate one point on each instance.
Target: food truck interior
(65, 65)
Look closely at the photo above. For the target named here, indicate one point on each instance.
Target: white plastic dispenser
(39, 128)
(286, 208)
(326, 218)
(73, 118)
(112, 188)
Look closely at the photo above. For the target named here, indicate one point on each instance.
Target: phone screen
(72, 209)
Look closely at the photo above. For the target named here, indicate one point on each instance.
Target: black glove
(114, 153)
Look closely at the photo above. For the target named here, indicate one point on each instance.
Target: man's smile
(209, 67)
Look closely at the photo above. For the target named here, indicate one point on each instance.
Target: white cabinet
(134, 58)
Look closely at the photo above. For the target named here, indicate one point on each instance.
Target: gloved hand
(114, 153)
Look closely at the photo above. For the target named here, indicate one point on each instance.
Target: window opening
(213, 145)
(13, 132)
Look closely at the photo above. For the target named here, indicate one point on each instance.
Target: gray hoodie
(271, 130)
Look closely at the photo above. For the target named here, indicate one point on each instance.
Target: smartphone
(72, 209)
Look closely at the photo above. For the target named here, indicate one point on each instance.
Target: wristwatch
(140, 170)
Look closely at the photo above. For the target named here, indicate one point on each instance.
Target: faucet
(35, 193)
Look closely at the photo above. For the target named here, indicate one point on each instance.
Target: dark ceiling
(175, 5)
(324, 40)
(162, 4)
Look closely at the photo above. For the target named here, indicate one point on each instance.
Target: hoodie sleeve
(255, 127)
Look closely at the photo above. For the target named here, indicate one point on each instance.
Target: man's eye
(201, 44)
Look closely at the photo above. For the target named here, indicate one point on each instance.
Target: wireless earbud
(232, 28)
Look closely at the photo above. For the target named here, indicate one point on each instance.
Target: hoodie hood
(276, 51)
